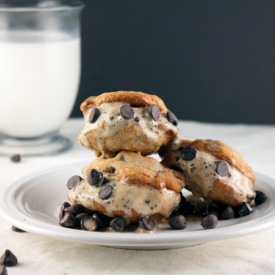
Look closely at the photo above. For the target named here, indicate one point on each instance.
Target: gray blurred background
(209, 61)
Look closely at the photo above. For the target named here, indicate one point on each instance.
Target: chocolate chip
(109, 170)
(127, 112)
(243, 209)
(73, 182)
(227, 214)
(3, 270)
(185, 207)
(260, 197)
(78, 218)
(95, 113)
(95, 177)
(154, 112)
(177, 222)
(146, 223)
(118, 224)
(209, 222)
(74, 209)
(222, 168)
(67, 220)
(8, 259)
(172, 118)
(15, 158)
(102, 220)
(16, 229)
(137, 119)
(105, 192)
(88, 223)
(63, 207)
(187, 153)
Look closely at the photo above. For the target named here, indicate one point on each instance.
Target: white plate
(33, 204)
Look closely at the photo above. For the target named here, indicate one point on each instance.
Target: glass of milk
(39, 74)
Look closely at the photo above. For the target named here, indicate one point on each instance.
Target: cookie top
(218, 149)
(133, 98)
(133, 168)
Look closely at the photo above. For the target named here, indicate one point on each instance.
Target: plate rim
(167, 239)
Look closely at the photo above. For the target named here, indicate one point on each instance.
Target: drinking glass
(39, 74)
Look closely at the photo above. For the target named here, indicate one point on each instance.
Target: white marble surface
(252, 254)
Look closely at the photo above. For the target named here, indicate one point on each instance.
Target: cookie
(212, 169)
(126, 120)
(129, 185)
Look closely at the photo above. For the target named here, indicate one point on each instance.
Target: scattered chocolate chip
(154, 112)
(209, 222)
(88, 223)
(187, 153)
(3, 270)
(16, 229)
(77, 220)
(260, 197)
(63, 207)
(185, 207)
(222, 168)
(67, 220)
(118, 224)
(127, 112)
(177, 222)
(95, 113)
(243, 209)
(102, 220)
(172, 118)
(95, 177)
(74, 209)
(109, 170)
(15, 158)
(105, 192)
(146, 223)
(73, 182)
(227, 214)
(137, 119)
(8, 258)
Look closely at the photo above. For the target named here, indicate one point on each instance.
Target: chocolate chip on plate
(8, 258)
(209, 222)
(227, 213)
(177, 222)
(15, 158)
(3, 270)
(260, 197)
(95, 113)
(222, 168)
(118, 224)
(67, 220)
(172, 118)
(105, 192)
(63, 207)
(127, 112)
(16, 229)
(73, 182)
(187, 153)
(154, 112)
(146, 223)
(74, 209)
(89, 223)
(243, 209)
(95, 177)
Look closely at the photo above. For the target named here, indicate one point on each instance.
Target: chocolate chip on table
(243, 209)
(89, 223)
(15, 158)
(95, 113)
(127, 112)
(177, 222)
(260, 197)
(105, 192)
(146, 223)
(222, 168)
(3, 270)
(154, 112)
(67, 220)
(118, 224)
(209, 222)
(95, 177)
(16, 229)
(73, 182)
(8, 258)
(187, 153)
(227, 213)
(172, 118)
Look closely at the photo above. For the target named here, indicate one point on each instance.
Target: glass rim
(74, 6)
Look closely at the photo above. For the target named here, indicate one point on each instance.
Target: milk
(39, 80)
